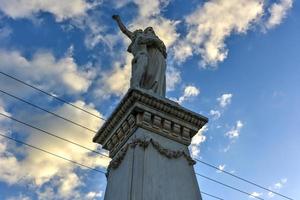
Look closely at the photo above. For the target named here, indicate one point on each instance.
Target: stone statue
(149, 59)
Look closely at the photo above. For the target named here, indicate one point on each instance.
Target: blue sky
(236, 62)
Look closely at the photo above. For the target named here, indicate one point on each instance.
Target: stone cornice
(141, 109)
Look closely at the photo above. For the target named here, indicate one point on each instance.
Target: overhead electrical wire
(210, 195)
(51, 134)
(66, 140)
(53, 154)
(242, 179)
(74, 162)
(228, 186)
(45, 110)
(84, 110)
(51, 95)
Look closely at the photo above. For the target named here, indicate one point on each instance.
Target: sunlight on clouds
(117, 80)
(189, 91)
(255, 194)
(73, 133)
(61, 9)
(68, 184)
(40, 168)
(9, 168)
(278, 12)
(221, 167)
(47, 71)
(173, 77)
(149, 14)
(235, 131)
(277, 186)
(197, 140)
(164, 28)
(209, 26)
(280, 183)
(224, 100)
(93, 195)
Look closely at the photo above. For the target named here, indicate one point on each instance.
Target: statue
(149, 59)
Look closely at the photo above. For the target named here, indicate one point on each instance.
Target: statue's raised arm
(122, 26)
(149, 59)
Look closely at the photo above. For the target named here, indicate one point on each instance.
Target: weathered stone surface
(149, 59)
(148, 138)
(140, 109)
(147, 174)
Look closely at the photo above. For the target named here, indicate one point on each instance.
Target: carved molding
(174, 130)
(144, 143)
(164, 106)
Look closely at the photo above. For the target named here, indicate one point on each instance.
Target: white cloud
(189, 91)
(173, 77)
(235, 131)
(271, 194)
(255, 194)
(278, 12)
(212, 23)
(2, 110)
(48, 72)
(197, 140)
(61, 9)
(280, 183)
(150, 15)
(221, 167)
(39, 168)
(277, 186)
(68, 184)
(93, 195)
(116, 81)
(224, 99)
(215, 114)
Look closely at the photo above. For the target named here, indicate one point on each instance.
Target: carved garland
(171, 154)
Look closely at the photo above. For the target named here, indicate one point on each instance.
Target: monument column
(147, 137)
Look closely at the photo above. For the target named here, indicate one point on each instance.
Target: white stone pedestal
(148, 137)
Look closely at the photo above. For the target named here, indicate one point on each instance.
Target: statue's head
(136, 33)
(149, 30)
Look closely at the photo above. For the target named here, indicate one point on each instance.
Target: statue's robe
(154, 78)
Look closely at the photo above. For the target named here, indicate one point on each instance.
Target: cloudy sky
(236, 62)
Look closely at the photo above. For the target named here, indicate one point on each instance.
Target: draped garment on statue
(154, 78)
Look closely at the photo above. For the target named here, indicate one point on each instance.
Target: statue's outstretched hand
(116, 17)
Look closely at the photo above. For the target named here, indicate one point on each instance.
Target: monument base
(148, 138)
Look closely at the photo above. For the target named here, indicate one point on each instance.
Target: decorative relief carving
(151, 122)
(144, 143)
(164, 106)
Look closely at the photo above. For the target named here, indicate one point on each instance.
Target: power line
(74, 162)
(228, 186)
(242, 179)
(51, 95)
(53, 154)
(52, 113)
(84, 110)
(210, 195)
(53, 135)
